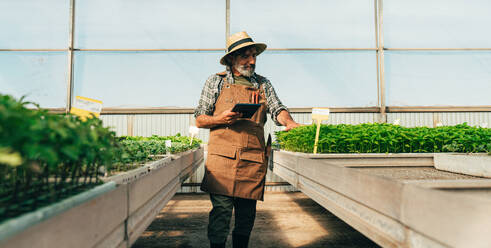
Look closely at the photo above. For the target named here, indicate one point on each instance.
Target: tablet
(246, 109)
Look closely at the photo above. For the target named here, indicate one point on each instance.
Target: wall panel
(117, 123)
(150, 24)
(39, 76)
(438, 78)
(411, 119)
(33, 24)
(306, 24)
(472, 118)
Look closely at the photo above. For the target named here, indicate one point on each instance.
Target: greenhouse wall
(340, 53)
(170, 124)
(379, 57)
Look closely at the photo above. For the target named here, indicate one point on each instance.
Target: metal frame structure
(375, 5)
(70, 57)
(379, 49)
(227, 20)
(380, 58)
(388, 109)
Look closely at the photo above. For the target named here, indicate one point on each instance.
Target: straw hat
(238, 41)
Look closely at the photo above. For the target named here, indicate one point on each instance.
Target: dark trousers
(220, 215)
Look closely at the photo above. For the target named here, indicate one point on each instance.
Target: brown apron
(236, 164)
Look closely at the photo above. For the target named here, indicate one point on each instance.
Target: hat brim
(260, 47)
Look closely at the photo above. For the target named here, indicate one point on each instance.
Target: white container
(478, 164)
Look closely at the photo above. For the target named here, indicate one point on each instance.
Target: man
(236, 165)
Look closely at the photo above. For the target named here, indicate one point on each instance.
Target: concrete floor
(283, 220)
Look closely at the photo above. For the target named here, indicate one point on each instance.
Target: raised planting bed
(396, 205)
(141, 171)
(136, 152)
(148, 194)
(381, 179)
(111, 215)
(45, 158)
(469, 164)
(375, 159)
(386, 138)
(152, 184)
(189, 162)
(84, 220)
(51, 186)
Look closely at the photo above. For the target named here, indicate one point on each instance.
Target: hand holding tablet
(246, 109)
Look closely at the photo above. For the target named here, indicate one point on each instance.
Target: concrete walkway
(283, 220)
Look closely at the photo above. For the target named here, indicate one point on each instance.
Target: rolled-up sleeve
(274, 104)
(209, 94)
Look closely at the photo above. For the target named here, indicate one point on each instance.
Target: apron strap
(223, 76)
(269, 153)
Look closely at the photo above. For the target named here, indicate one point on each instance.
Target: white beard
(243, 71)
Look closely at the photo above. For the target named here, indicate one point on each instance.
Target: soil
(414, 173)
(283, 220)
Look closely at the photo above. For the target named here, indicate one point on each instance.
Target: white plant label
(90, 105)
(320, 113)
(193, 130)
(86, 107)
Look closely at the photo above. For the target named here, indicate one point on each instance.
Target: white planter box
(133, 175)
(469, 164)
(375, 159)
(95, 218)
(111, 215)
(398, 204)
(149, 192)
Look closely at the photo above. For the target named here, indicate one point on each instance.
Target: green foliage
(178, 138)
(386, 138)
(46, 157)
(137, 150)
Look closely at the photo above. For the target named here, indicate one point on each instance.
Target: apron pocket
(221, 161)
(251, 165)
(222, 150)
(253, 155)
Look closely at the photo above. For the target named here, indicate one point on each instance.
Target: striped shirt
(213, 85)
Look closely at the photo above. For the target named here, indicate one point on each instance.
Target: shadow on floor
(283, 220)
